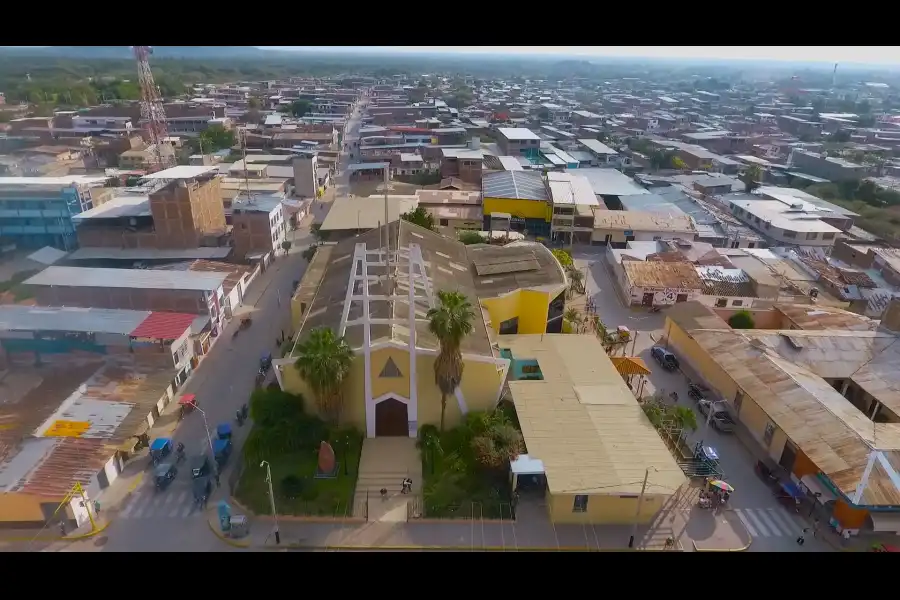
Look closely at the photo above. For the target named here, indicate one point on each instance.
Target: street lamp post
(637, 513)
(208, 437)
(272, 499)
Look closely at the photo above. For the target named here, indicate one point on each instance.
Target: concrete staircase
(384, 463)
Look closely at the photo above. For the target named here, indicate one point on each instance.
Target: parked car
(721, 421)
(666, 359)
(706, 404)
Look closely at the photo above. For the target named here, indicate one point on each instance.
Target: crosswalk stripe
(758, 524)
(750, 528)
(766, 518)
(780, 516)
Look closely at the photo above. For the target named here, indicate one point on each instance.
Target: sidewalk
(692, 531)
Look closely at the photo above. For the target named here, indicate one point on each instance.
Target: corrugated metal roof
(128, 278)
(47, 255)
(149, 253)
(584, 423)
(94, 320)
(518, 185)
(164, 325)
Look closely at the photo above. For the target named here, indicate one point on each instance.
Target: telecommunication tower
(152, 111)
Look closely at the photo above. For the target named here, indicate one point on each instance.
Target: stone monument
(327, 467)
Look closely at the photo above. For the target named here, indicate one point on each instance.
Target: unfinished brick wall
(186, 211)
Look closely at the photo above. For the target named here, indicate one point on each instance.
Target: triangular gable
(390, 369)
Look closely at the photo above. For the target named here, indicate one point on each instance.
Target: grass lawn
(318, 497)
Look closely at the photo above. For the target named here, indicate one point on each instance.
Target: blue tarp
(219, 446)
(159, 444)
(223, 429)
(791, 488)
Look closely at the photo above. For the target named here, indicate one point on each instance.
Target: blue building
(37, 211)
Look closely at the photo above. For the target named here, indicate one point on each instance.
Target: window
(580, 504)
(789, 234)
(812, 235)
(390, 369)
(445, 222)
(769, 434)
(721, 302)
(751, 245)
(828, 236)
(737, 303)
(510, 326)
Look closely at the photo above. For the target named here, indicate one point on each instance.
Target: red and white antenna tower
(152, 110)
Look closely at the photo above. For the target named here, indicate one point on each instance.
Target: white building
(788, 221)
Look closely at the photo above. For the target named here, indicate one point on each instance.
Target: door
(647, 299)
(391, 419)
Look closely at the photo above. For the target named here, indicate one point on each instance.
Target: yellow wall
(530, 306)
(296, 313)
(24, 508)
(480, 384)
(525, 209)
(603, 509)
(750, 414)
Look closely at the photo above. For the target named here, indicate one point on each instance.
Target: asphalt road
(774, 529)
(151, 521)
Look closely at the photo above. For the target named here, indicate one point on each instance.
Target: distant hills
(124, 52)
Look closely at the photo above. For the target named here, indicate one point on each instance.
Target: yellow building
(522, 195)
(584, 426)
(819, 392)
(383, 320)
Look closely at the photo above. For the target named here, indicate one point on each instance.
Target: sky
(875, 55)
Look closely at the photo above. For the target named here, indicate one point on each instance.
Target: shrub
(741, 320)
(293, 486)
(564, 258)
(471, 237)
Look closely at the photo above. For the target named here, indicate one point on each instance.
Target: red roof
(164, 325)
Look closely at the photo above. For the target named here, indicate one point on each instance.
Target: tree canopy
(420, 217)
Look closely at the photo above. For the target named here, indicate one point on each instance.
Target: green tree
(216, 137)
(299, 108)
(841, 136)
(576, 281)
(420, 217)
(564, 258)
(449, 322)
(742, 319)
(498, 442)
(679, 164)
(309, 253)
(751, 178)
(574, 318)
(254, 104)
(470, 237)
(324, 361)
(286, 246)
(543, 114)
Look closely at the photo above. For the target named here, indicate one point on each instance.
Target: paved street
(773, 528)
(152, 521)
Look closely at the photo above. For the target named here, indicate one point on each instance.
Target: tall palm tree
(449, 322)
(574, 318)
(323, 361)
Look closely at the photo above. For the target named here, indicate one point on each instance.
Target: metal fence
(417, 508)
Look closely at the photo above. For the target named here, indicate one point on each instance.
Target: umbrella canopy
(718, 483)
(187, 399)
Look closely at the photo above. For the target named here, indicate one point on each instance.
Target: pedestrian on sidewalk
(383, 494)
(513, 504)
(62, 528)
(96, 508)
(801, 539)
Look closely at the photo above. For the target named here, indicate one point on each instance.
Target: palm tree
(574, 318)
(323, 361)
(576, 279)
(449, 322)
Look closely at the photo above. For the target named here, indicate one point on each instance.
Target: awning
(525, 465)
(885, 522)
(187, 399)
(818, 489)
(630, 365)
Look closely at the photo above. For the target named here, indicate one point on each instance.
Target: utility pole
(637, 513)
(272, 499)
(80, 491)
